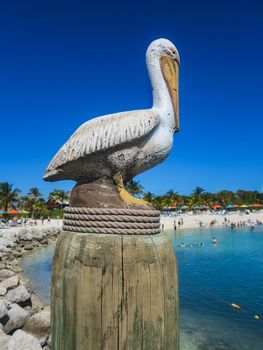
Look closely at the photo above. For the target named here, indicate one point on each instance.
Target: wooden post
(114, 292)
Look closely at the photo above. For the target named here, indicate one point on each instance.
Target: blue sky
(64, 62)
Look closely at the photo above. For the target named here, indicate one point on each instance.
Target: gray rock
(43, 341)
(4, 273)
(2, 266)
(19, 295)
(37, 304)
(3, 309)
(12, 263)
(16, 318)
(44, 241)
(4, 256)
(22, 341)
(17, 269)
(28, 236)
(49, 341)
(17, 254)
(10, 235)
(2, 291)
(10, 257)
(6, 242)
(38, 235)
(38, 324)
(4, 249)
(10, 282)
(22, 232)
(4, 338)
(28, 247)
(25, 235)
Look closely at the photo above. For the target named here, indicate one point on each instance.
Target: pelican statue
(122, 145)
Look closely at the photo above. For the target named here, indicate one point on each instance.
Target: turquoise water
(210, 279)
(214, 276)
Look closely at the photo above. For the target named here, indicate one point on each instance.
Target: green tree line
(35, 204)
(196, 198)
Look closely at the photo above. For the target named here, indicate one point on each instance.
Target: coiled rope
(111, 221)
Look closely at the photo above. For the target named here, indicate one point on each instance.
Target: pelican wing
(104, 133)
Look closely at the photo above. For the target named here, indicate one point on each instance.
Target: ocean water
(211, 278)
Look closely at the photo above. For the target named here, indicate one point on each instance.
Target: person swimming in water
(214, 240)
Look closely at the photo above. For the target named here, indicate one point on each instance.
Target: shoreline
(213, 220)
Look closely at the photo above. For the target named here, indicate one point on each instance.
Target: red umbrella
(216, 206)
(13, 212)
(257, 205)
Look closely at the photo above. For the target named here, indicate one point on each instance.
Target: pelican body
(128, 143)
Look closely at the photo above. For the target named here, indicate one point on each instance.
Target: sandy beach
(31, 225)
(204, 220)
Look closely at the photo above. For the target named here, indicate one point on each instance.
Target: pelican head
(163, 65)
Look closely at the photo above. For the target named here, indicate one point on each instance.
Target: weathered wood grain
(114, 292)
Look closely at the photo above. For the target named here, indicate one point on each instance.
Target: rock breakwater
(24, 320)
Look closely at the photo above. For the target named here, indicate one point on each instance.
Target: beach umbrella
(24, 212)
(13, 212)
(2, 212)
(243, 206)
(165, 208)
(229, 206)
(198, 207)
(257, 205)
(216, 206)
(184, 207)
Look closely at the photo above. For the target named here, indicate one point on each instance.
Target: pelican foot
(124, 194)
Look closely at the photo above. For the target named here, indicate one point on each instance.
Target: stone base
(114, 292)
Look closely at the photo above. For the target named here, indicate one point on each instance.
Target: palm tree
(134, 188)
(209, 198)
(149, 197)
(33, 200)
(172, 198)
(34, 193)
(196, 197)
(159, 202)
(225, 197)
(60, 196)
(8, 196)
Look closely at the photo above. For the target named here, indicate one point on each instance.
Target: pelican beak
(170, 70)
